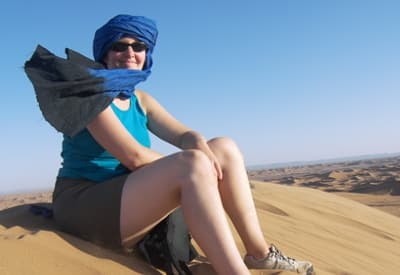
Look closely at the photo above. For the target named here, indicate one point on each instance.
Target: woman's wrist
(191, 140)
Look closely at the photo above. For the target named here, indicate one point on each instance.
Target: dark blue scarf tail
(73, 91)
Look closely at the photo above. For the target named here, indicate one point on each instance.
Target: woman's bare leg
(237, 198)
(187, 179)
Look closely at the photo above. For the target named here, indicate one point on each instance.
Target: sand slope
(338, 235)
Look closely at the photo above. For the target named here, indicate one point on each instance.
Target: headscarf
(139, 27)
(73, 91)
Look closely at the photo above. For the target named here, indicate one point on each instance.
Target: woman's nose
(129, 51)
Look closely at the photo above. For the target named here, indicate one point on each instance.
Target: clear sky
(288, 80)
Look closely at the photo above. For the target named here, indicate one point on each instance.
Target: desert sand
(342, 217)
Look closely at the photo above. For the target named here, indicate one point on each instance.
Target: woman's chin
(130, 66)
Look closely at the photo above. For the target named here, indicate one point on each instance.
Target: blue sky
(288, 80)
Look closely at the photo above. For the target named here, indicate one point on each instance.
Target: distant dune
(339, 235)
(374, 182)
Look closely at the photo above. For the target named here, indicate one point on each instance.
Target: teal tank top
(84, 158)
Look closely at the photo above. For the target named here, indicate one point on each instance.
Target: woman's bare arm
(111, 134)
(160, 122)
(166, 127)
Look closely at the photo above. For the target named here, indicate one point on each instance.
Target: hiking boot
(278, 261)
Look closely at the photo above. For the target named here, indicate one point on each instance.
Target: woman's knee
(225, 149)
(195, 165)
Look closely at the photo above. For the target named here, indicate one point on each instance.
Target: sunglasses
(121, 46)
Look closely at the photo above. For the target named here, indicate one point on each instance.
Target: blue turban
(139, 27)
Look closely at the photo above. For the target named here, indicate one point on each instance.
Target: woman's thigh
(154, 191)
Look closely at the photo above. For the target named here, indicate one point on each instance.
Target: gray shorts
(90, 210)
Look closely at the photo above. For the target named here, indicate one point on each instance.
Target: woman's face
(122, 56)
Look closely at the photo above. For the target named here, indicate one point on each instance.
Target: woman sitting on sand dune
(110, 174)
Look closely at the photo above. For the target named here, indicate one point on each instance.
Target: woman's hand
(193, 140)
(217, 166)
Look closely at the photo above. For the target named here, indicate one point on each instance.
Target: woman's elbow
(135, 161)
(132, 163)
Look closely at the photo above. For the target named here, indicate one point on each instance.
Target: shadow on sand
(22, 216)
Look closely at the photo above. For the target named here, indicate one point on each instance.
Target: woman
(110, 173)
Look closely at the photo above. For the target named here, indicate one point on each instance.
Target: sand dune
(339, 235)
(377, 178)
